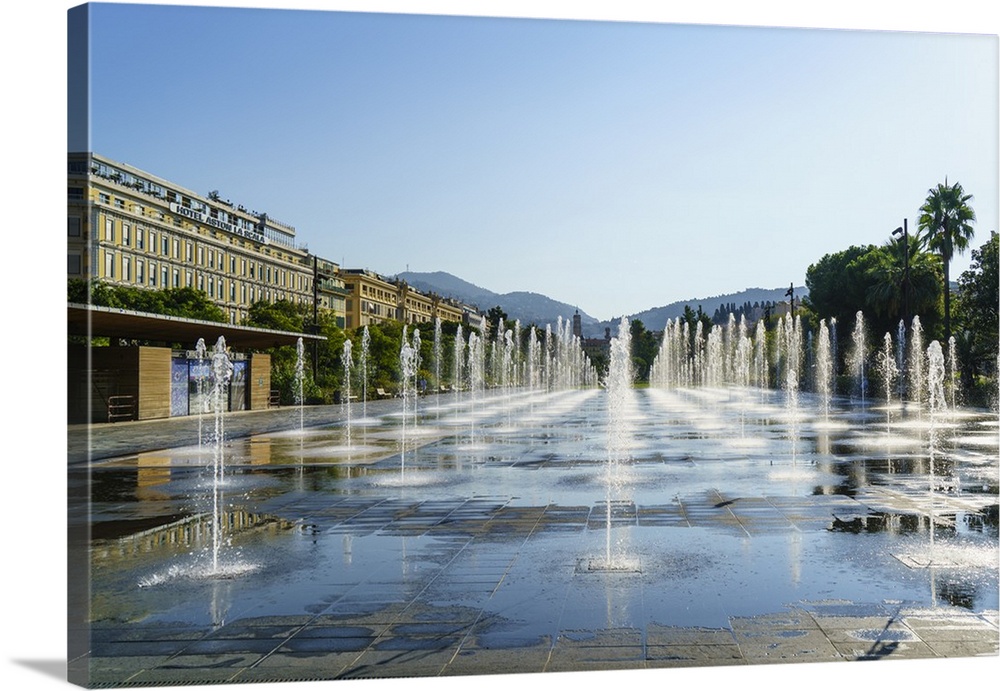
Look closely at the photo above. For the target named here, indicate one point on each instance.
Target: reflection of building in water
(259, 451)
(153, 471)
(193, 532)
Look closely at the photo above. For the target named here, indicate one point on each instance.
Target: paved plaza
(498, 542)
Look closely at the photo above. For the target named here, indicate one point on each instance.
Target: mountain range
(533, 308)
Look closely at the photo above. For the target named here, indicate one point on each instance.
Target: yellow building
(129, 227)
(372, 298)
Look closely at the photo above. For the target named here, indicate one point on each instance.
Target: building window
(140, 239)
(211, 287)
(211, 259)
(152, 274)
(73, 264)
(76, 193)
(140, 271)
(126, 235)
(138, 210)
(73, 226)
(177, 278)
(232, 291)
(109, 265)
(188, 279)
(232, 265)
(189, 252)
(164, 277)
(126, 269)
(109, 230)
(103, 198)
(119, 203)
(177, 248)
(201, 256)
(201, 282)
(165, 246)
(243, 267)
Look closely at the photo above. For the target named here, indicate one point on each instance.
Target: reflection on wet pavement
(745, 533)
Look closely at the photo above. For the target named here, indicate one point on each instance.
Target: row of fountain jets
(903, 368)
(726, 355)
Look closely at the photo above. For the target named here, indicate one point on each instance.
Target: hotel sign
(215, 223)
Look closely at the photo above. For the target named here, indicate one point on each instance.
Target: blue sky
(615, 166)
(612, 165)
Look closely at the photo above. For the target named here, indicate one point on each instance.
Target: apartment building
(128, 227)
(372, 298)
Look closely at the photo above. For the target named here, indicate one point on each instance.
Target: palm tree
(887, 267)
(945, 226)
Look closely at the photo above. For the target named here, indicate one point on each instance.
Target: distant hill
(656, 318)
(530, 308)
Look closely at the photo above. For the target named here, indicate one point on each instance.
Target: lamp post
(903, 233)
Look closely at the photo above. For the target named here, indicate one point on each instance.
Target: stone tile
(952, 628)
(118, 669)
(785, 644)
(476, 660)
(213, 662)
(966, 648)
(657, 635)
(605, 637)
(177, 677)
(398, 663)
(884, 650)
(864, 629)
(696, 654)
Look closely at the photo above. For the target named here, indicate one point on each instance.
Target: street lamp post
(903, 233)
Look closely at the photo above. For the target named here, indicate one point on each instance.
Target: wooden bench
(382, 393)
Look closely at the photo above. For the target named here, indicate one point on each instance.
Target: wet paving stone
(700, 655)
(727, 550)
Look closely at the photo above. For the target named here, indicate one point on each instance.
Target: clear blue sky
(616, 166)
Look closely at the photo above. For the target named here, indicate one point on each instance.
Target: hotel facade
(129, 227)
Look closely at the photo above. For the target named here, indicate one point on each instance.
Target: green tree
(945, 226)
(644, 349)
(838, 284)
(281, 315)
(496, 318)
(976, 314)
(884, 271)
(176, 302)
(285, 316)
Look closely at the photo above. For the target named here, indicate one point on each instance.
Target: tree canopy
(869, 278)
(175, 302)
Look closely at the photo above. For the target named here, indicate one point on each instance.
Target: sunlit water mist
(619, 438)
(211, 558)
(348, 367)
(300, 379)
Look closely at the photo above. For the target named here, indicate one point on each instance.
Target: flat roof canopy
(94, 320)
